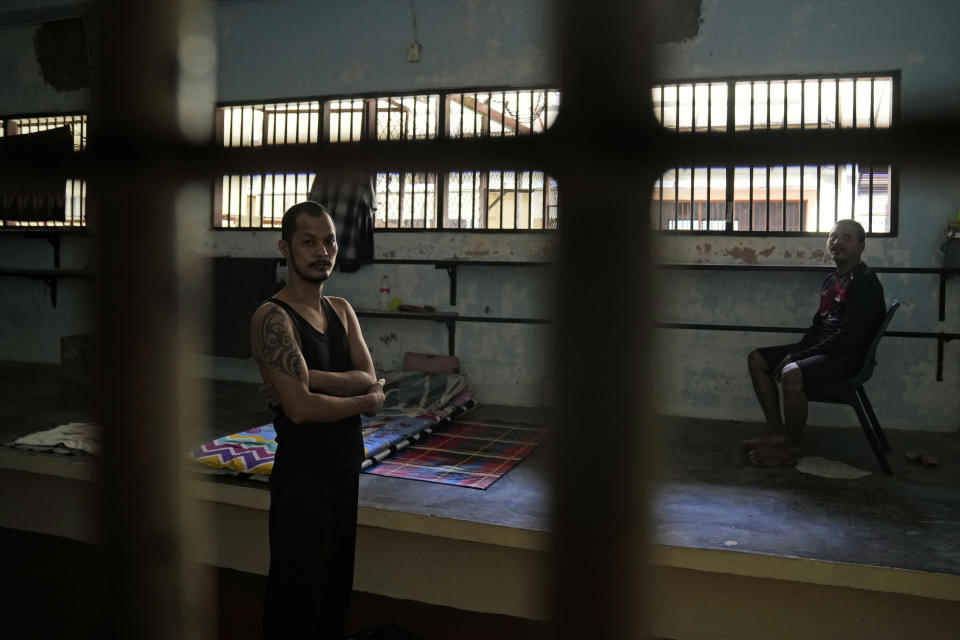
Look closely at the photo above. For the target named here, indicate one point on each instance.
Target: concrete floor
(706, 496)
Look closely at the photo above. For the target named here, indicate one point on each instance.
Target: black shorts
(816, 370)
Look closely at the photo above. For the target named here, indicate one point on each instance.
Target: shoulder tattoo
(277, 347)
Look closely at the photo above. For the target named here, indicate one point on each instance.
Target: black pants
(313, 530)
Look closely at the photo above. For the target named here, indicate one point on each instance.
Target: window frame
(50, 226)
(368, 131)
(730, 129)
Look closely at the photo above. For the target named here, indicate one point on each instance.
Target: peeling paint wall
(704, 373)
(293, 48)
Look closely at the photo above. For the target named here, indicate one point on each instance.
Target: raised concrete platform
(735, 551)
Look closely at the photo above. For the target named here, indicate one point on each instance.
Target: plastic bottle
(385, 292)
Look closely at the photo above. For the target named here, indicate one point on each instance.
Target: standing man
(310, 351)
(851, 310)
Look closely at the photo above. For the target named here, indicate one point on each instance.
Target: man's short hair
(289, 223)
(861, 234)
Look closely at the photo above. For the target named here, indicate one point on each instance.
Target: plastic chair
(851, 392)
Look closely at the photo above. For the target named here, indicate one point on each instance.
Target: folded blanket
(413, 392)
(70, 438)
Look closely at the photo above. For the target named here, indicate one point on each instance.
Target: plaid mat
(467, 453)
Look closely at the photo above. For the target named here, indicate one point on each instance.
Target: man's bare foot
(766, 440)
(780, 455)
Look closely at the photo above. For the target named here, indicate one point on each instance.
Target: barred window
(406, 200)
(75, 191)
(499, 200)
(780, 198)
(258, 201)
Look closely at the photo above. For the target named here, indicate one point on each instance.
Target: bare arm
(340, 383)
(282, 365)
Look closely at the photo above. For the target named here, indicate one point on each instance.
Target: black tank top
(328, 447)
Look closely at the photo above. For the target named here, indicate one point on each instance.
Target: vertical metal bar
(853, 81)
(768, 105)
(144, 405)
(243, 209)
(598, 560)
(786, 87)
(819, 200)
(803, 225)
(870, 203)
(231, 111)
(296, 126)
(836, 197)
(263, 177)
(709, 106)
(854, 170)
(803, 104)
(530, 129)
(766, 210)
(676, 198)
(693, 106)
(783, 199)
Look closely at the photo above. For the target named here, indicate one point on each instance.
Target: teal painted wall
(295, 48)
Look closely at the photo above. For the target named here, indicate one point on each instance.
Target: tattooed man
(315, 364)
(832, 349)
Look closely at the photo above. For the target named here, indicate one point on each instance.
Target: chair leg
(871, 437)
(862, 394)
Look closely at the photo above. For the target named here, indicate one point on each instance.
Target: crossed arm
(335, 395)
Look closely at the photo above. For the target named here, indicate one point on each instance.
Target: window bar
(296, 123)
(243, 208)
(263, 177)
(750, 214)
(693, 107)
(819, 104)
(546, 115)
(529, 176)
(783, 174)
(335, 115)
(709, 216)
(709, 107)
(768, 113)
(530, 129)
(854, 80)
(501, 185)
(676, 178)
(803, 104)
(803, 168)
(545, 180)
(503, 129)
(766, 211)
(693, 182)
(229, 221)
(819, 202)
(854, 170)
(786, 93)
(460, 191)
(836, 198)
(870, 193)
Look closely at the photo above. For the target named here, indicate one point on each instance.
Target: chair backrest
(869, 359)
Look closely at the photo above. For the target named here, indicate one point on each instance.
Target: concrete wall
(303, 48)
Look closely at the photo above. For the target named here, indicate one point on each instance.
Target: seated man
(851, 310)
